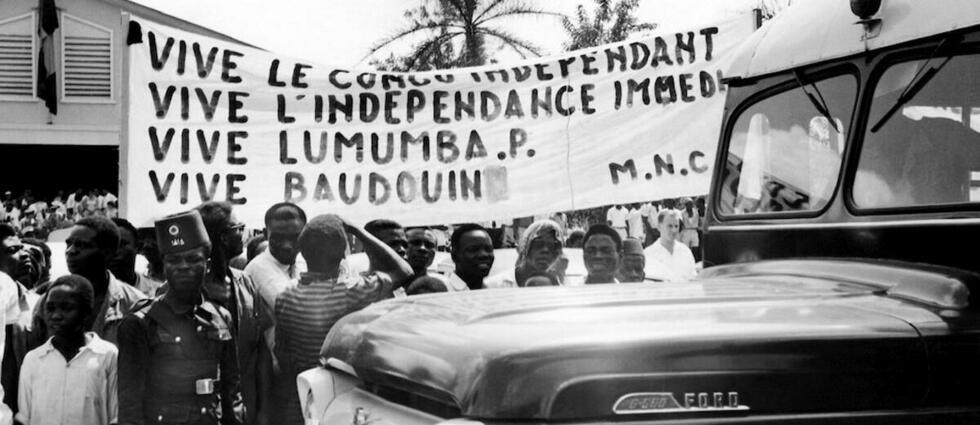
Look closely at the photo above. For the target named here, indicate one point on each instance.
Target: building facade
(79, 146)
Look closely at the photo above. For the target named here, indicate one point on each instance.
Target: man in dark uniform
(177, 357)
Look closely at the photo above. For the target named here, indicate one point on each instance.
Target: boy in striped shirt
(307, 311)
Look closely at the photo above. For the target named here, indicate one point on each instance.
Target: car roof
(813, 31)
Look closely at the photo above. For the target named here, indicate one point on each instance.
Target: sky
(341, 32)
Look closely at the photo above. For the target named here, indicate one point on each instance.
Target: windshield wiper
(919, 81)
(817, 101)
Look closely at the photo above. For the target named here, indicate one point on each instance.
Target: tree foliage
(457, 33)
(609, 23)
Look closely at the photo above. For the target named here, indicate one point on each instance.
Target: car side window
(784, 153)
(928, 152)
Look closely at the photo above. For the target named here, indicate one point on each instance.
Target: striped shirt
(306, 312)
(304, 315)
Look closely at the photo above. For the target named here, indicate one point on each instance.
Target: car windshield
(785, 152)
(928, 153)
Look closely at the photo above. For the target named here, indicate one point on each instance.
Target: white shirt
(71, 202)
(635, 219)
(271, 277)
(8, 294)
(652, 216)
(53, 391)
(646, 209)
(617, 216)
(691, 222)
(9, 300)
(504, 279)
(676, 266)
(456, 284)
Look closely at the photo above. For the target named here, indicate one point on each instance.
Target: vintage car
(839, 286)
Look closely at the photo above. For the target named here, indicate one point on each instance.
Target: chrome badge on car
(636, 403)
(361, 416)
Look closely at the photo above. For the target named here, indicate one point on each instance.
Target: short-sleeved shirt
(676, 266)
(635, 218)
(271, 277)
(83, 390)
(617, 216)
(304, 315)
(307, 311)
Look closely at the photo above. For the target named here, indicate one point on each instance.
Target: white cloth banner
(627, 122)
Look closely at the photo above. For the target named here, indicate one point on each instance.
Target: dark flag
(47, 65)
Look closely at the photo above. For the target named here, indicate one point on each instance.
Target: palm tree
(608, 25)
(770, 8)
(457, 33)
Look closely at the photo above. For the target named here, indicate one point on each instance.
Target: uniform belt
(185, 387)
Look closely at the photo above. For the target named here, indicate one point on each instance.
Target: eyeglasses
(236, 227)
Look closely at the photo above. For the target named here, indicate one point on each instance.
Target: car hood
(573, 352)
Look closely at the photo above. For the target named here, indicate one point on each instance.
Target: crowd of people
(35, 217)
(218, 326)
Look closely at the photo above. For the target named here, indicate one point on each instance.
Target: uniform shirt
(306, 312)
(161, 350)
(676, 266)
(617, 216)
(80, 391)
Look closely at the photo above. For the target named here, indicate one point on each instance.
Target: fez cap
(632, 246)
(180, 232)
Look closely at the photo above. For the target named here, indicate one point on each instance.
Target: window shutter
(87, 60)
(17, 57)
